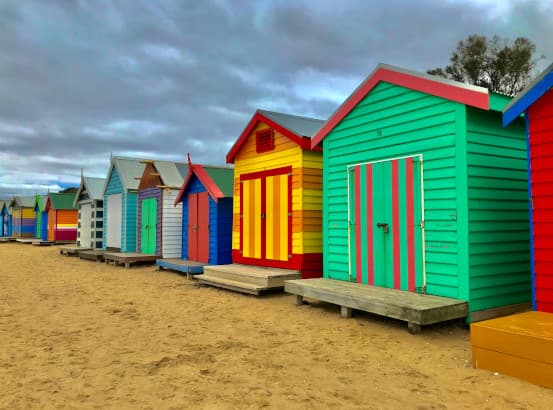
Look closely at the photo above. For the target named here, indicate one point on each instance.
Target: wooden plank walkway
(6, 239)
(25, 241)
(246, 278)
(40, 242)
(96, 255)
(414, 308)
(181, 265)
(128, 258)
(73, 250)
(519, 345)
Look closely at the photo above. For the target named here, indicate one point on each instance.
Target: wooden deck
(6, 239)
(181, 265)
(414, 308)
(73, 250)
(25, 241)
(40, 242)
(518, 345)
(96, 255)
(245, 278)
(128, 258)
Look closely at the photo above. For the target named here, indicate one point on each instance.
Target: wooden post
(299, 300)
(413, 328)
(345, 312)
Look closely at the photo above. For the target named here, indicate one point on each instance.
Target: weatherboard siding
(499, 246)
(114, 186)
(392, 122)
(540, 128)
(130, 201)
(223, 231)
(171, 235)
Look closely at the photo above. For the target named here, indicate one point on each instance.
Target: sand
(80, 334)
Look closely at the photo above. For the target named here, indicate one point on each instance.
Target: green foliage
(496, 63)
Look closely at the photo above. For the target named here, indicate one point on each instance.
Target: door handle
(384, 226)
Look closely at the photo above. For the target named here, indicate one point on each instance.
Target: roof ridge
(290, 115)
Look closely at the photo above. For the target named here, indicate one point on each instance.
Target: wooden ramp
(246, 278)
(73, 250)
(414, 308)
(128, 258)
(519, 345)
(181, 265)
(96, 255)
(40, 242)
(25, 241)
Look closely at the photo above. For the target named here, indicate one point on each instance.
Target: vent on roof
(264, 140)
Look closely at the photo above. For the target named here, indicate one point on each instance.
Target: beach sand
(80, 334)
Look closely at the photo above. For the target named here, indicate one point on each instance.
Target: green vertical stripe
(418, 219)
(351, 224)
(379, 207)
(388, 237)
(363, 223)
(402, 195)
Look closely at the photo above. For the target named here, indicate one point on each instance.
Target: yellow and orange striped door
(266, 215)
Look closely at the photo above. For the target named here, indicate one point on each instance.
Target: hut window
(264, 140)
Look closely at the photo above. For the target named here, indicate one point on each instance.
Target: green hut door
(38, 222)
(148, 226)
(386, 227)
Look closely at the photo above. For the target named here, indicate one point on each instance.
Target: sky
(83, 80)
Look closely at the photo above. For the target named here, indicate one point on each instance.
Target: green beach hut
(425, 192)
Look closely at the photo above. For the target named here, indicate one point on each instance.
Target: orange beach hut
(62, 217)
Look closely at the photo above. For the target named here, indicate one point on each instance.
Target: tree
(495, 63)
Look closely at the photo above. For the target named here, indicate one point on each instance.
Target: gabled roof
(23, 201)
(129, 169)
(296, 128)
(60, 201)
(40, 200)
(94, 187)
(218, 181)
(7, 207)
(172, 174)
(531, 93)
(467, 94)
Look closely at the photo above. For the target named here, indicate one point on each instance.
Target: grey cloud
(83, 79)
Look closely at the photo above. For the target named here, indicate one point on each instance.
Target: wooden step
(414, 308)
(235, 285)
(255, 275)
(518, 345)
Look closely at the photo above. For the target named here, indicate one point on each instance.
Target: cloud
(84, 79)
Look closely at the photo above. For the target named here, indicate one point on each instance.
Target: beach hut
(120, 194)
(159, 221)
(3, 229)
(7, 218)
(41, 217)
(89, 201)
(425, 193)
(536, 102)
(5, 221)
(522, 345)
(206, 200)
(276, 201)
(23, 217)
(62, 217)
